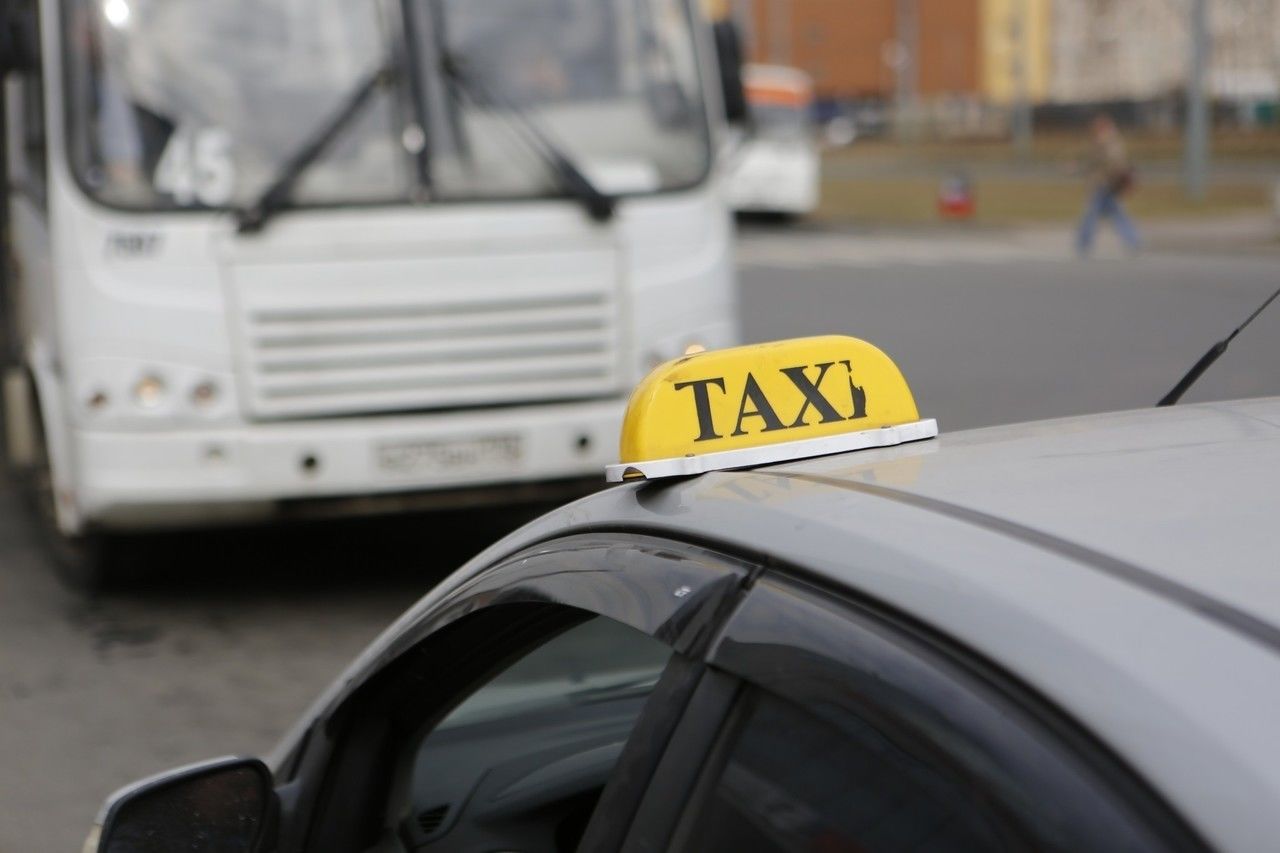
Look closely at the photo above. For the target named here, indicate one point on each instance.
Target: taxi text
(754, 404)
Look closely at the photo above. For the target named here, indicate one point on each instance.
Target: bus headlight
(115, 393)
(149, 391)
(96, 400)
(205, 394)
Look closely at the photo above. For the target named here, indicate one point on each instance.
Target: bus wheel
(88, 562)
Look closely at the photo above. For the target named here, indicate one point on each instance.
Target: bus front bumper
(141, 480)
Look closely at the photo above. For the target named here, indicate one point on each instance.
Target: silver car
(1060, 635)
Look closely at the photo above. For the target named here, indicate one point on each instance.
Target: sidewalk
(1245, 232)
(817, 244)
(1257, 231)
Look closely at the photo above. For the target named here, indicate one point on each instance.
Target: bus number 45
(196, 167)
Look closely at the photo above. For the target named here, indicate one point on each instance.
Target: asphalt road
(991, 329)
(235, 635)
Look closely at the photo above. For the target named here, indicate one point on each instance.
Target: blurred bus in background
(777, 170)
(276, 256)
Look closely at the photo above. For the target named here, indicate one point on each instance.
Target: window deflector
(666, 589)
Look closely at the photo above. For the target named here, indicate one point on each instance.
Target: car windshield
(780, 100)
(198, 104)
(781, 121)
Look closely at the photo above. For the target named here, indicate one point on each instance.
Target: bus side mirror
(729, 58)
(227, 805)
(19, 37)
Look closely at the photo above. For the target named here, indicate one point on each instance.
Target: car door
(531, 698)
(851, 727)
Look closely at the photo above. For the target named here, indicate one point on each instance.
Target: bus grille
(402, 355)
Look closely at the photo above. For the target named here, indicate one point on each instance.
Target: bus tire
(88, 562)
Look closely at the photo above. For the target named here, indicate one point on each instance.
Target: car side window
(533, 699)
(790, 780)
(860, 731)
(520, 762)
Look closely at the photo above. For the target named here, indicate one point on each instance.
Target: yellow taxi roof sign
(764, 403)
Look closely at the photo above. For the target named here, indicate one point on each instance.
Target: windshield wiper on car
(252, 219)
(599, 205)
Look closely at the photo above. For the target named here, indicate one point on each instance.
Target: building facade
(1017, 50)
(870, 49)
(998, 51)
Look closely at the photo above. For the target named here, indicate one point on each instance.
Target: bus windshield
(178, 104)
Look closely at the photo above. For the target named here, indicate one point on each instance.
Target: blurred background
(221, 223)
(1002, 91)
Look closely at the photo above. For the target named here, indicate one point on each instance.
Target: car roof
(1122, 564)
(1185, 500)
(1119, 564)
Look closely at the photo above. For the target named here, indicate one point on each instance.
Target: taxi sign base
(750, 457)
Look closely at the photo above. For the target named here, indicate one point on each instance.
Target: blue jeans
(1105, 203)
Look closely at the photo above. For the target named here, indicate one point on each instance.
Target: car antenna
(1210, 357)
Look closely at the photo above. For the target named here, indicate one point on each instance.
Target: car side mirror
(223, 806)
(729, 59)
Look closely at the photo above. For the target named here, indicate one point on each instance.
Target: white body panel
(337, 331)
(778, 168)
(199, 308)
(776, 176)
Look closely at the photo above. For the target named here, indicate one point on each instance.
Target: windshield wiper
(275, 197)
(599, 205)
(1210, 357)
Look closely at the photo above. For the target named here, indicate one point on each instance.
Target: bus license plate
(483, 454)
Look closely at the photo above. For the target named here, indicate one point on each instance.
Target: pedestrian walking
(1111, 176)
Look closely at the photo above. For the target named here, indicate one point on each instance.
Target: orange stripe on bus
(778, 97)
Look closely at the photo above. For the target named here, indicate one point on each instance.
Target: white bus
(778, 168)
(273, 256)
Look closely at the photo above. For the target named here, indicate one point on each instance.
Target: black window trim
(31, 154)
(680, 770)
(677, 592)
(692, 778)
